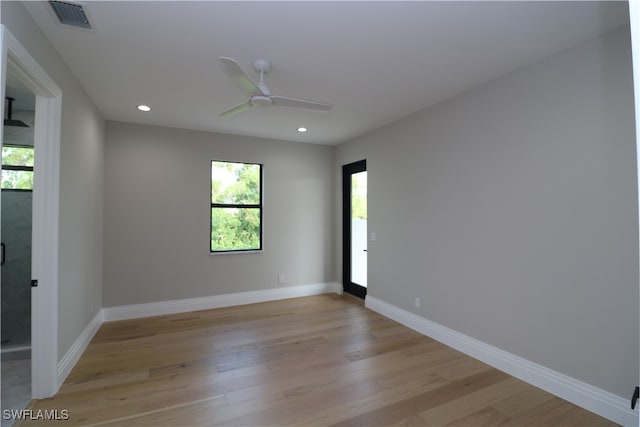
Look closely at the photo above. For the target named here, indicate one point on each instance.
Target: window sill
(253, 251)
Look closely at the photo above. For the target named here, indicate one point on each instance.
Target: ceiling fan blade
(284, 101)
(239, 77)
(237, 109)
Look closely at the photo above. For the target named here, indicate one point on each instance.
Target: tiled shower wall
(16, 235)
(16, 272)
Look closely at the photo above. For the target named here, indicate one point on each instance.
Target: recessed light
(144, 108)
(302, 129)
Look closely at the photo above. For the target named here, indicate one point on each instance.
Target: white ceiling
(375, 61)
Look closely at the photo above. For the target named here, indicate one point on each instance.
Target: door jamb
(45, 380)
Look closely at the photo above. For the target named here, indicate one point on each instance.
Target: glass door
(354, 186)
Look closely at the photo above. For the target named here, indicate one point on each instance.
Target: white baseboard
(135, 311)
(601, 402)
(69, 360)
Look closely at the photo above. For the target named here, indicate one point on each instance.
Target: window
(17, 167)
(236, 207)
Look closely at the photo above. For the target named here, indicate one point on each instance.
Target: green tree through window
(17, 167)
(236, 206)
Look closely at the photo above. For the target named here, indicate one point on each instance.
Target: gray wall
(511, 211)
(157, 213)
(81, 184)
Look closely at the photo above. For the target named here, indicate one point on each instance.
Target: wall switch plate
(374, 236)
(417, 302)
(281, 279)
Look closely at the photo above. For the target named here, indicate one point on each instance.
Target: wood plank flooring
(320, 360)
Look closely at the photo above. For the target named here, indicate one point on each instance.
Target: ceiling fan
(259, 93)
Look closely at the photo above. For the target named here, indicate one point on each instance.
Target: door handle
(3, 252)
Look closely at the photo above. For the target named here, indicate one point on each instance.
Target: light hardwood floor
(321, 360)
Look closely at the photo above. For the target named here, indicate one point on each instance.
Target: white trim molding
(72, 356)
(634, 22)
(46, 198)
(135, 311)
(601, 402)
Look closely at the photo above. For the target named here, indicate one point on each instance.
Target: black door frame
(347, 171)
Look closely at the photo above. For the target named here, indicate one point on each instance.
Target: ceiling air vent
(70, 14)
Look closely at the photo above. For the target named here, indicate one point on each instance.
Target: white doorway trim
(46, 196)
(634, 18)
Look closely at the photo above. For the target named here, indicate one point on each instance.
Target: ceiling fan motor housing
(262, 66)
(260, 100)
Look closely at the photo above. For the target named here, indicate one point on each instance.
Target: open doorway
(16, 62)
(16, 185)
(354, 228)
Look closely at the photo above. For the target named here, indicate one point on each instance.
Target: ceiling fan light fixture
(261, 100)
(143, 107)
(302, 129)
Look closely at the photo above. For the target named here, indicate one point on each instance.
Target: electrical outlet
(281, 279)
(417, 302)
